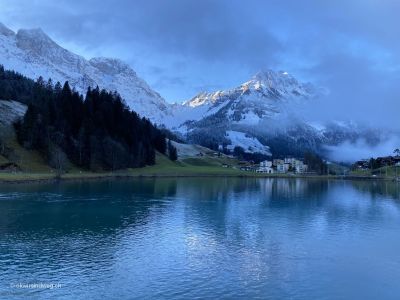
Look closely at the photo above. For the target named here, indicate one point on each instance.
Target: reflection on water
(201, 238)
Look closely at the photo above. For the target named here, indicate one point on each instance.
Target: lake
(204, 238)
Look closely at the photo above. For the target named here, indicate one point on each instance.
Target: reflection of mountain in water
(107, 206)
(235, 232)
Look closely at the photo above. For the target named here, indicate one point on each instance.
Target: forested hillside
(14, 86)
(95, 132)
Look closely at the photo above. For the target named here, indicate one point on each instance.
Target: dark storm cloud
(197, 29)
(350, 47)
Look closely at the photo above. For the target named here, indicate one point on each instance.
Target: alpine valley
(262, 115)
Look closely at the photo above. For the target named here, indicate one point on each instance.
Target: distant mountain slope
(263, 96)
(264, 115)
(33, 54)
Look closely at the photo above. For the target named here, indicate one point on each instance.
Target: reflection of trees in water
(104, 206)
(249, 214)
(378, 188)
(72, 207)
(79, 221)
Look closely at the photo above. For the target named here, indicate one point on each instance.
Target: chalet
(301, 168)
(246, 165)
(290, 160)
(277, 162)
(266, 163)
(362, 164)
(265, 167)
(268, 170)
(282, 168)
(379, 162)
(293, 164)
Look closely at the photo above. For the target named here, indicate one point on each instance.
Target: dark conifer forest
(95, 132)
(14, 86)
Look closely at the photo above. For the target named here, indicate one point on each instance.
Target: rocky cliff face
(261, 115)
(33, 54)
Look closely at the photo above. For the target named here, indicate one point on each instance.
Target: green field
(189, 167)
(391, 171)
(34, 167)
(163, 167)
(29, 161)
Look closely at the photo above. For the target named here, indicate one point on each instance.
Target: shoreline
(17, 178)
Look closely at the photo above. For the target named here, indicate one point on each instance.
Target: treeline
(14, 86)
(97, 132)
(241, 154)
(379, 162)
(315, 163)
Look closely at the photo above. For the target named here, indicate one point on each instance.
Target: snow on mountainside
(236, 116)
(261, 97)
(264, 114)
(34, 54)
(10, 111)
(248, 143)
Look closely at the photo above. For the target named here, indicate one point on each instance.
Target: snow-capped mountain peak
(260, 97)
(279, 84)
(235, 115)
(33, 53)
(35, 34)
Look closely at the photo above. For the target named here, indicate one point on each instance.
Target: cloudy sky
(182, 47)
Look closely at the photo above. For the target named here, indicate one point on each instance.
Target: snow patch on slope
(10, 111)
(248, 143)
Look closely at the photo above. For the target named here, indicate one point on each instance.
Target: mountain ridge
(33, 53)
(264, 111)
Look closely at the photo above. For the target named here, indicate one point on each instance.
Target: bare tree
(2, 144)
(58, 160)
(4, 136)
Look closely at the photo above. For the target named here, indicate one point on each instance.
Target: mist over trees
(315, 163)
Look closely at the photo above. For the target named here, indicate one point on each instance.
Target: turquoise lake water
(208, 238)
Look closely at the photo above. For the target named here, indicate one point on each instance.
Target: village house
(290, 160)
(291, 164)
(247, 166)
(275, 166)
(276, 162)
(265, 167)
(301, 168)
(266, 163)
(362, 164)
(282, 168)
